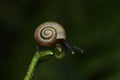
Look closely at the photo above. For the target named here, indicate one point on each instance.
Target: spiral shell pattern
(47, 36)
(49, 33)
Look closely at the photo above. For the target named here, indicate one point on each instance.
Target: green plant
(40, 54)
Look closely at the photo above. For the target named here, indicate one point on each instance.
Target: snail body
(49, 33)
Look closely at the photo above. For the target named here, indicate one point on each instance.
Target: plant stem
(36, 57)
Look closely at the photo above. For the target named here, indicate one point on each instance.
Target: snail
(51, 33)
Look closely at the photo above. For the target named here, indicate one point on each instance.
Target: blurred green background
(93, 25)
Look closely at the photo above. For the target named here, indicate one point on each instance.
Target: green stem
(36, 57)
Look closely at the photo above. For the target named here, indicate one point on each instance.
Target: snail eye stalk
(68, 46)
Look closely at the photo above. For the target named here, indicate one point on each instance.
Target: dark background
(93, 25)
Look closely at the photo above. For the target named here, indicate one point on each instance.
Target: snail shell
(49, 33)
